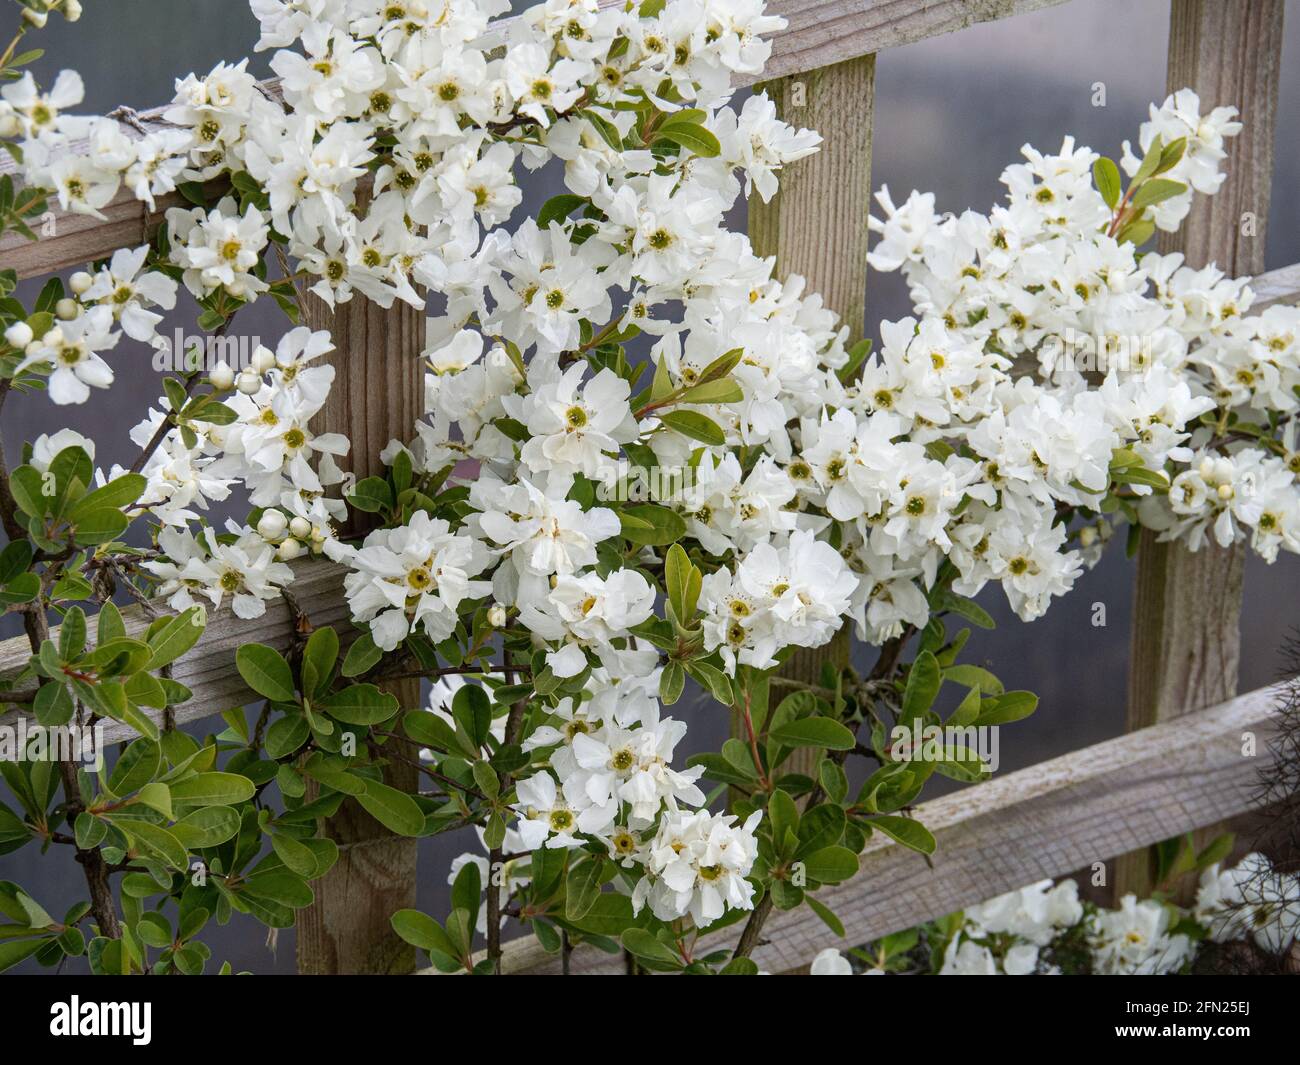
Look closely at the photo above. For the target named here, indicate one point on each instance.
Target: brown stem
(749, 937)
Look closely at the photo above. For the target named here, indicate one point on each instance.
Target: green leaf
(295, 855)
(209, 826)
(372, 494)
(695, 425)
(814, 732)
(651, 525)
(119, 492)
(13, 951)
(923, 681)
(471, 709)
(904, 830)
(713, 392)
(646, 947)
(826, 914)
(361, 656)
(581, 887)
(100, 526)
(318, 658)
(265, 671)
(1157, 190)
(691, 136)
(156, 796)
(212, 789)
(360, 704)
(176, 636)
(831, 865)
(155, 841)
(671, 682)
(1008, 707)
(1105, 175)
(392, 808)
(558, 208)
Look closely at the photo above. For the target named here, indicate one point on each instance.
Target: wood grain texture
(377, 396)
(816, 226)
(1186, 643)
(820, 33)
(1040, 822)
(208, 668)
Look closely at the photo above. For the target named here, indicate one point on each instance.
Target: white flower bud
(67, 309)
(271, 525)
(19, 334)
(289, 550)
(1206, 469)
(496, 615)
(263, 359)
(248, 382)
(79, 282)
(222, 377)
(53, 338)
(9, 125)
(1226, 492)
(72, 10)
(36, 18)
(300, 527)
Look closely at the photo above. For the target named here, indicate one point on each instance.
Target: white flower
(413, 578)
(697, 865)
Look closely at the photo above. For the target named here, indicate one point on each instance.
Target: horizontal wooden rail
(1044, 821)
(208, 668)
(820, 33)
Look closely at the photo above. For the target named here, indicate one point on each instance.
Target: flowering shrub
(810, 482)
(1046, 930)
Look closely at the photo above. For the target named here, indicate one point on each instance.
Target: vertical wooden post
(377, 396)
(816, 226)
(1186, 643)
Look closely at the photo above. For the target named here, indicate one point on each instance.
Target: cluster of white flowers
(1252, 901)
(611, 753)
(1007, 936)
(1134, 352)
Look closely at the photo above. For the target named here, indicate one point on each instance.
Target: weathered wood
(377, 396)
(1040, 822)
(820, 33)
(1186, 644)
(816, 226)
(208, 668)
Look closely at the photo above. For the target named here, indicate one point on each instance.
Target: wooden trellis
(1163, 778)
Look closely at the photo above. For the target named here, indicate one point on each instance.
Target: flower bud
(248, 382)
(496, 615)
(19, 334)
(80, 282)
(36, 18)
(222, 377)
(67, 309)
(263, 359)
(53, 338)
(300, 527)
(72, 10)
(289, 550)
(271, 525)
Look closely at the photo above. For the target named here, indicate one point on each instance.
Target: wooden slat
(1040, 822)
(816, 227)
(209, 666)
(820, 33)
(1186, 641)
(377, 396)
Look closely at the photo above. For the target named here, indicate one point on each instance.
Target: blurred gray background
(950, 114)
